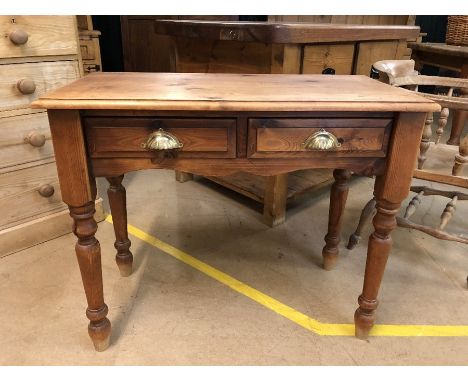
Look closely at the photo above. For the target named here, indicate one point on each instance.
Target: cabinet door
(338, 57)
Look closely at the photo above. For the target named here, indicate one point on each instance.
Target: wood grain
(213, 137)
(46, 76)
(47, 35)
(339, 57)
(195, 91)
(70, 154)
(289, 32)
(19, 196)
(14, 147)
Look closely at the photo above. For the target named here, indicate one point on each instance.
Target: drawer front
(27, 36)
(124, 137)
(286, 137)
(20, 194)
(20, 84)
(23, 139)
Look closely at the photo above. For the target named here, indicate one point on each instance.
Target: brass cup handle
(321, 140)
(161, 140)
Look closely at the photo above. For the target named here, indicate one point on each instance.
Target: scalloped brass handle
(321, 140)
(162, 140)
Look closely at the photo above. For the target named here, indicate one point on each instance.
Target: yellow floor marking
(292, 314)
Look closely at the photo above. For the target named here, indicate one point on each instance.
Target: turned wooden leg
(274, 202)
(458, 123)
(459, 116)
(118, 205)
(182, 176)
(88, 252)
(366, 215)
(378, 250)
(425, 140)
(444, 113)
(461, 158)
(338, 196)
(390, 189)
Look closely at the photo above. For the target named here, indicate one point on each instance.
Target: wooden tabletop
(232, 92)
(440, 48)
(291, 33)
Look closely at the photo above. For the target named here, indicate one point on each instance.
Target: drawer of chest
(29, 193)
(150, 137)
(24, 139)
(315, 137)
(27, 36)
(20, 84)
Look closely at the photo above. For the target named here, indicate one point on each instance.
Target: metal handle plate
(162, 140)
(321, 140)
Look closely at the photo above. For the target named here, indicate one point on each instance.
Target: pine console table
(108, 124)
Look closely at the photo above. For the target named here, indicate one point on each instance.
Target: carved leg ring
(118, 201)
(379, 247)
(88, 252)
(338, 196)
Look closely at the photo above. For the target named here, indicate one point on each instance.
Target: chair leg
(367, 214)
(461, 158)
(425, 140)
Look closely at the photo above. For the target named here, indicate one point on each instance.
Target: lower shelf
(299, 183)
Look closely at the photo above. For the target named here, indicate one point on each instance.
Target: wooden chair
(401, 73)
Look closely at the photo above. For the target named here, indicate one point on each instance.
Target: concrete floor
(168, 313)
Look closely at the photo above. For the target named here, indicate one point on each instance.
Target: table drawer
(20, 84)
(26, 36)
(23, 139)
(286, 137)
(29, 193)
(125, 137)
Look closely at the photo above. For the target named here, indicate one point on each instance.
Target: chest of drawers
(37, 54)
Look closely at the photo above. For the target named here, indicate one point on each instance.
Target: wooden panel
(212, 56)
(143, 49)
(336, 56)
(47, 35)
(14, 146)
(370, 52)
(285, 137)
(215, 138)
(46, 76)
(299, 183)
(341, 19)
(19, 194)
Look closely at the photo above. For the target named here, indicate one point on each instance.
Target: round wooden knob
(18, 37)
(26, 86)
(36, 139)
(46, 190)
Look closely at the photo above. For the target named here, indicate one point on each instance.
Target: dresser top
(232, 92)
(283, 32)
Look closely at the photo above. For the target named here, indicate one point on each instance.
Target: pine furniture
(108, 124)
(37, 54)
(280, 47)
